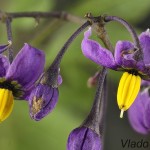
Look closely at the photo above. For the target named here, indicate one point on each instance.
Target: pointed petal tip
(26, 45)
(148, 30)
(145, 33)
(95, 52)
(88, 33)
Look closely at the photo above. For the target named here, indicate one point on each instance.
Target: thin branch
(93, 119)
(61, 15)
(131, 31)
(51, 75)
(127, 26)
(9, 36)
(69, 41)
(102, 107)
(102, 34)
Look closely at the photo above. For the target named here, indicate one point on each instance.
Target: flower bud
(92, 81)
(83, 138)
(42, 101)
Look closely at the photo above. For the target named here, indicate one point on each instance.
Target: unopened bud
(84, 138)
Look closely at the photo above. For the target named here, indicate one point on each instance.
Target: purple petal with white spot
(4, 65)
(95, 52)
(138, 113)
(84, 138)
(47, 97)
(27, 66)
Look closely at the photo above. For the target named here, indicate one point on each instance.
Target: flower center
(6, 103)
(128, 90)
(13, 86)
(134, 72)
(8, 90)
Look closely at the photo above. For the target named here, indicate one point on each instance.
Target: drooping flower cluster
(24, 79)
(84, 138)
(18, 77)
(18, 80)
(124, 59)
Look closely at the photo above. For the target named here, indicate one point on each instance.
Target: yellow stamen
(6, 103)
(128, 89)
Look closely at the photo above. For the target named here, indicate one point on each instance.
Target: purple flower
(139, 112)
(124, 55)
(125, 58)
(17, 79)
(84, 138)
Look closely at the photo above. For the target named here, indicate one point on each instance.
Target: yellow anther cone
(128, 90)
(6, 103)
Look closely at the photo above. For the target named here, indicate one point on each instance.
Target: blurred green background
(19, 132)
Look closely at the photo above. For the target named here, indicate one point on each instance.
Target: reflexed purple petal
(83, 139)
(137, 113)
(124, 54)
(42, 101)
(27, 66)
(145, 44)
(4, 65)
(95, 52)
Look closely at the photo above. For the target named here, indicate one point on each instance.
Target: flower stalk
(55, 14)
(51, 75)
(131, 31)
(88, 136)
(98, 24)
(9, 36)
(93, 119)
(103, 108)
